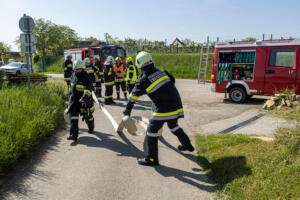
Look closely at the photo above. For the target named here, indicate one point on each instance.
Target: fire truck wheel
(237, 95)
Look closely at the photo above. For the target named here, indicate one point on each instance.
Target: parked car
(17, 68)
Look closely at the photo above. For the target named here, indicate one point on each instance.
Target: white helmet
(143, 59)
(87, 61)
(97, 56)
(67, 116)
(109, 60)
(78, 64)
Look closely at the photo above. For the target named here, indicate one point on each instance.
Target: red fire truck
(243, 69)
(102, 50)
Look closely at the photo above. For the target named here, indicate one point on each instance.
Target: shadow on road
(249, 101)
(221, 171)
(186, 177)
(15, 181)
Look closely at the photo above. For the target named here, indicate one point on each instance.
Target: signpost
(26, 24)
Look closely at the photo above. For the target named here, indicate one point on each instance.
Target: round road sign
(26, 24)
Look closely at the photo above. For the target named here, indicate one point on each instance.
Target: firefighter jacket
(120, 72)
(90, 69)
(109, 75)
(160, 87)
(68, 68)
(131, 74)
(81, 88)
(99, 68)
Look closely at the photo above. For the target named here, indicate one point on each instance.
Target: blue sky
(158, 19)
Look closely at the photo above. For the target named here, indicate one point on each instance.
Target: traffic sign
(28, 49)
(26, 24)
(27, 38)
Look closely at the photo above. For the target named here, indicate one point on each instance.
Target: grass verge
(26, 118)
(179, 65)
(247, 168)
(53, 65)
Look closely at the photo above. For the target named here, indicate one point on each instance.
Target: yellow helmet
(117, 58)
(129, 59)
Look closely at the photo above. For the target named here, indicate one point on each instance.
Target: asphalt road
(103, 165)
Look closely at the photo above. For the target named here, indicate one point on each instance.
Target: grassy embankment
(26, 118)
(53, 65)
(248, 168)
(180, 65)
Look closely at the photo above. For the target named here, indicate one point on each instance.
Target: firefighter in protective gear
(109, 80)
(80, 100)
(99, 76)
(91, 70)
(131, 74)
(120, 77)
(68, 69)
(159, 85)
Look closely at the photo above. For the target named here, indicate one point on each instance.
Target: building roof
(179, 41)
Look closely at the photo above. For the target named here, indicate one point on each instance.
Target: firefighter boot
(90, 122)
(152, 158)
(71, 137)
(185, 141)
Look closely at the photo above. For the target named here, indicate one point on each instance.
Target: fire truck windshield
(114, 52)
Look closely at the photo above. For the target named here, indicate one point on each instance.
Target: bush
(36, 58)
(2, 75)
(27, 116)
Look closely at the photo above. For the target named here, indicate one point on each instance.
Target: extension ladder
(204, 56)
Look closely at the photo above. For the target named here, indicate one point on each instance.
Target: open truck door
(280, 71)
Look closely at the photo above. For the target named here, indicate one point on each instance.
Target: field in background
(180, 65)
(26, 118)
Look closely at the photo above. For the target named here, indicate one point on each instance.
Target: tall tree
(91, 39)
(52, 39)
(4, 51)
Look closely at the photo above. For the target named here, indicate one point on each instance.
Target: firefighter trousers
(75, 111)
(123, 86)
(130, 87)
(98, 88)
(152, 130)
(108, 93)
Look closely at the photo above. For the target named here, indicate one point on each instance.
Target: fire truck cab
(243, 69)
(102, 50)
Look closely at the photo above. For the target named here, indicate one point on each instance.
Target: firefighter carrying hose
(109, 80)
(91, 70)
(80, 100)
(120, 78)
(131, 74)
(160, 87)
(99, 76)
(68, 68)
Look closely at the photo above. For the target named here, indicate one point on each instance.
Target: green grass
(247, 168)
(26, 118)
(179, 65)
(53, 65)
